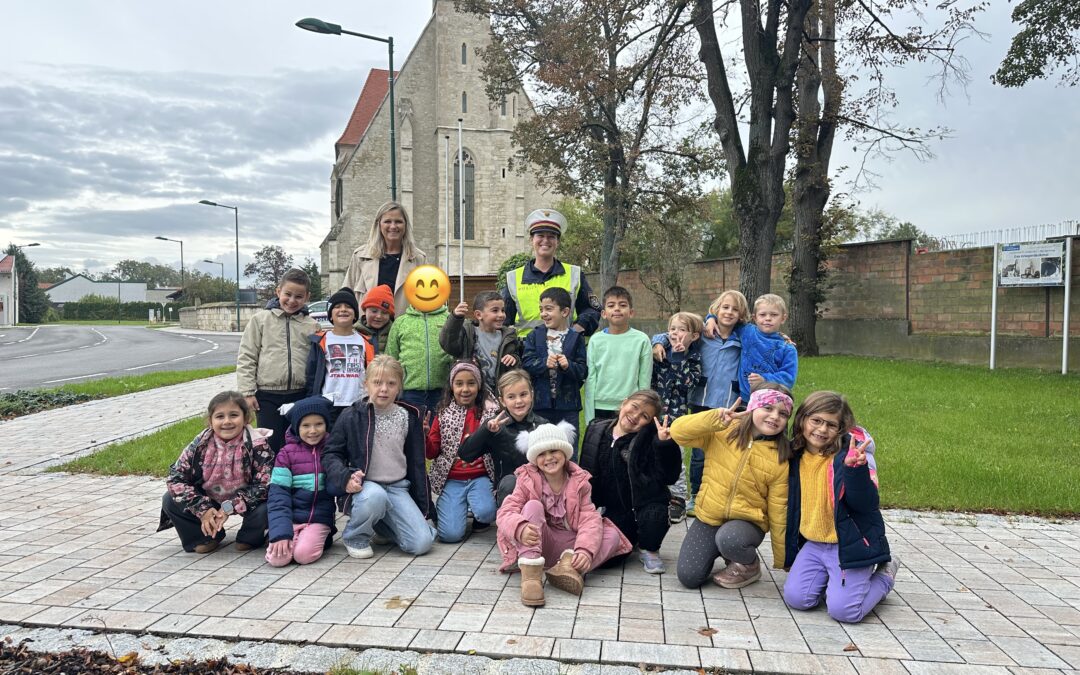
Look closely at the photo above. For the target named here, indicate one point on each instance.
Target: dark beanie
(344, 295)
(313, 405)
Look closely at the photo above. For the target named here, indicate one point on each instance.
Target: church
(438, 84)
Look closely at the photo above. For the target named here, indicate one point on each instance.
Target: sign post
(1027, 264)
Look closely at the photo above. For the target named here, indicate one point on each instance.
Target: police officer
(525, 284)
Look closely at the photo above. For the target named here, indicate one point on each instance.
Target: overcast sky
(116, 117)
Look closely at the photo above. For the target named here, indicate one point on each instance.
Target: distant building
(438, 83)
(160, 295)
(8, 304)
(78, 287)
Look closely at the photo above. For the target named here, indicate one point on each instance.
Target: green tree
(209, 288)
(583, 240)
(54, 275)
(270, 264)
(312, 269)
(33, 302)
(513, 262)
(155, 276)
(1048, 40)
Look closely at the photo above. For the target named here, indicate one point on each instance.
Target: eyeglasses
(817, 422)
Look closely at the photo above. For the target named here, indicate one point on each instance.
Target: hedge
(99, 310)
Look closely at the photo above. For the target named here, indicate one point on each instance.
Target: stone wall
(216, 316)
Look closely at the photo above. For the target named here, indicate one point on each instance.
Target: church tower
(438, 83)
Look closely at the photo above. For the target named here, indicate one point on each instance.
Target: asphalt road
(51, 355)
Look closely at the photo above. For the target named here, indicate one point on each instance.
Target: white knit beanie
(550, 437)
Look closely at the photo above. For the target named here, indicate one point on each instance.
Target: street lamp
(214, 262)
(236, 219)
(183, 277)
(317, 26)
(15, 278)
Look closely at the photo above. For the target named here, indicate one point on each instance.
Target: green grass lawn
(25, 402)
(948, 437)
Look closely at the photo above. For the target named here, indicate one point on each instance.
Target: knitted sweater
(618, 365)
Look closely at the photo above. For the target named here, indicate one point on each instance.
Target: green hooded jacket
(414, 340)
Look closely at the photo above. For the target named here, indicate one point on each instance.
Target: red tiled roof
(371, 97)
(43, 285)
(6, 264)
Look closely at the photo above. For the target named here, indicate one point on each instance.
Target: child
(378, 306)
(766, 353)
(338, 358)
(718, 387)
(505, 438)
(270, 367)
(618, 358)
(414, 341)
(555, 356)
(375, 456)
(301, 511)
(550, 516)
(835, 533)
(493, 346)
(224, 470)
(462, 486)
(744, 489)
(675, 379)
(633, 460)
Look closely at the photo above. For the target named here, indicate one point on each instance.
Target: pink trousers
(553, 541)
(306, 545)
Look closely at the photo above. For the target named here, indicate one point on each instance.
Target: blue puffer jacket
(860, 529)
(767, 354)
(298, 491)
(567, 382)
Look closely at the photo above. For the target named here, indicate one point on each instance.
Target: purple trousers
(849, 594)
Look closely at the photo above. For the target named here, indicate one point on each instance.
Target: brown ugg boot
(564, 576)
(532, 581)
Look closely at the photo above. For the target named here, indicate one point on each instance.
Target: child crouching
(299, 508)
(550, 521)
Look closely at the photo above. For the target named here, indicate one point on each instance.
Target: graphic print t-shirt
(487, 354)
(344, 368)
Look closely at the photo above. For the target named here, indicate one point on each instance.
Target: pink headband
(466, 365)
(764, 397)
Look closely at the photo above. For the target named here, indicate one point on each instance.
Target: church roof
(375, 90)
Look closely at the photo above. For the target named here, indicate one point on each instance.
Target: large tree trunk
(813, 150)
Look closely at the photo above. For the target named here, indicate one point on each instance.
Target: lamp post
(183, 276)
(214, 262)
(317, 26)
(236, 221)
(15, 279)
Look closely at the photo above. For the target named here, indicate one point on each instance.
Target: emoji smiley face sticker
(427, 288)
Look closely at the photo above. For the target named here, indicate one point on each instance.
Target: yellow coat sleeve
(776, 512)
(696, 430)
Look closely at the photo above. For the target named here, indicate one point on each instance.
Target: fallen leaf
(511, 641)
(397, 602)
(851, 647)
(128, 658)
(706, 631)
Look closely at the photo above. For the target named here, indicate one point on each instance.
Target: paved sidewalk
(978, 594)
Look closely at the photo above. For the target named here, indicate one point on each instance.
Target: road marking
(104, 339)
(148, 365)
(14, 342)
(68, 379)
(182, 358)
(31, 335)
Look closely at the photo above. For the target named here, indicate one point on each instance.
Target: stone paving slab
(975, 594)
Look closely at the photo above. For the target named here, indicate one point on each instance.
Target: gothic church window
(464, 54)
(464, 102)
(469, 179)
(339, 197)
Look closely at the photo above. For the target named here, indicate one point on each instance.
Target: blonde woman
(389, 256)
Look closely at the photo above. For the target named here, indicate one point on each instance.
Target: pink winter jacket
(581, 514)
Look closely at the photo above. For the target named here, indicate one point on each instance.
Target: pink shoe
(737, 575)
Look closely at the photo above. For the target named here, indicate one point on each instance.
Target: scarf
(451, 427)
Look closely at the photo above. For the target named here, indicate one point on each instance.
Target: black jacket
(349, 449)
(860, 529)
(624, 484)
(502, 446)
(458, 339)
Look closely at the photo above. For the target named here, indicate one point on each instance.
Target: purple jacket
(298, 492)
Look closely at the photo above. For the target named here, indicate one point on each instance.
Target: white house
(8, 305)
(78, 287)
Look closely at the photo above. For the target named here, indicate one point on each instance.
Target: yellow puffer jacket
(738, 484)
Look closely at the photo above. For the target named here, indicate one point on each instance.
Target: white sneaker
(361, 552)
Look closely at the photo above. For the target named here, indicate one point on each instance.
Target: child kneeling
(835, 532)
(550, 517)
(376, 456)
(300, 509)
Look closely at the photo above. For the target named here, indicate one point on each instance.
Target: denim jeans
(425, 399)
(457, 499)
(390, 509)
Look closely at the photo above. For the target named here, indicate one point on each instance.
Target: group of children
(421, 427)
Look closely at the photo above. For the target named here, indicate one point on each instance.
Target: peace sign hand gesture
(856, 455)
(495, 423)
(663, 431)
(726, 416)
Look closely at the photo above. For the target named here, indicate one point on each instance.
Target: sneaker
(359, 551)
(737, 575)
(890, 568)
(690, 508)
(676, 510)
(652, 562)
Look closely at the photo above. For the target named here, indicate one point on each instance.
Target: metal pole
(119, 313)
(393, 141)
(183, 276)
(461, 215)
(236, 218)
(993, 309)
(1065, 318)
(15, 286)
(446, 181)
